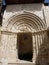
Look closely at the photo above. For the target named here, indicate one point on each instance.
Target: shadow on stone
(43, 55)
(0, 20)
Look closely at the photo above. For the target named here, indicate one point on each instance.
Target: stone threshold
(21, 63)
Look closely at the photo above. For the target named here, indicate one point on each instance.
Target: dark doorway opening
(25, 47)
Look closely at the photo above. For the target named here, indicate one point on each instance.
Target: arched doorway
(26, 22)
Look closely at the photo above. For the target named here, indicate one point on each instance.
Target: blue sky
(46, 1)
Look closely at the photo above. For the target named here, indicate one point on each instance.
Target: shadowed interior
(23, 1)
(25, 47)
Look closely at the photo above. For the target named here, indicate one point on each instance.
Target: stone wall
(9, 47)
(46, 11)
(9, 42)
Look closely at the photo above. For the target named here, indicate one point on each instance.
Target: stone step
(21, 64)
(18, 64)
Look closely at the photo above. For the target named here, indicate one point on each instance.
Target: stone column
(0, 42)
(0, 34)
(4, 61)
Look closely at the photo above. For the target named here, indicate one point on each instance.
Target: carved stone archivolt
(25, 22)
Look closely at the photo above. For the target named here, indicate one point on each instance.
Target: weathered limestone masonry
(22, 18)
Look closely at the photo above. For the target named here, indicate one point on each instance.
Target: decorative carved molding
(25, 21)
